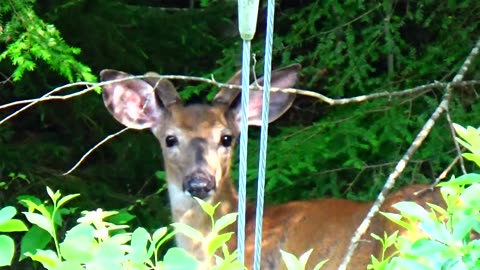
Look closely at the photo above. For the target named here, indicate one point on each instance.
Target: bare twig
(457, 146)
(111, 136)
(442, 107)
(35, 101)
(447, 170)
(7, 78)
(46, 98)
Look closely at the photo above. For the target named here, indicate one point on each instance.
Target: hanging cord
(264, 134)
(242, 181)
(247, 23)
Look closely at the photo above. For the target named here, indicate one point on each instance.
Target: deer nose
(199, 186)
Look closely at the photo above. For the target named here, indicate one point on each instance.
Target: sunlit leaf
(13, 225)
(179, 259)
(7, 213)
(40, 221)
(217, 242)
(224, 221)
(7, 247)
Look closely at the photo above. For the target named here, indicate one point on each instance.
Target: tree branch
(111, 136)
(417, 142)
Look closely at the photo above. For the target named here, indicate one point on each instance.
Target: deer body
(197, 143)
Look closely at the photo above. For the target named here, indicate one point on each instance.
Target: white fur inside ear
(131, 102)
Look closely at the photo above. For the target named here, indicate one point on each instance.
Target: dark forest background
(347, 48)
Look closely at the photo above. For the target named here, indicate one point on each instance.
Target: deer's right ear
(131, 101)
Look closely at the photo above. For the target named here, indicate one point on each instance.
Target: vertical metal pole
(264, 135)
(247, 23)
(242, 181)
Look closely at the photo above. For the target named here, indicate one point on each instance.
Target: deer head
(197, 140)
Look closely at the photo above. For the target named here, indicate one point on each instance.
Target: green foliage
(354, 48)
(29, 39)
(95, 243)
(447, 242)
(8, 224)
(346, 49)
(469, 139)
(300, 263)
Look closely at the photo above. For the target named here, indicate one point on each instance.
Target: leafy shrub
(95, 243)
(448, 242)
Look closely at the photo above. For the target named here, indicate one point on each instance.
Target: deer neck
(186, 210)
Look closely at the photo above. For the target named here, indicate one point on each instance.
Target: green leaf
(438, 209)
(47, 258)
(40, 221)
(35, 238)
(466, 179)
(7, 213)
(7, 246)
(110, 252)
(158, 234)
(67, 198)
(425, 247)
(188, 231)
(13, 225)
(224, 221)
(411, 210)
(121, 217)
(463, 227)
(206, 207)
(121, 238)
(436, 230)
(139, 242)
(35, 206)
(304, 257)
(469, 196)
(78, 250)
(391, 239)
(162, 241)
(179, 259)
(397, 219)
(156, 237)
(79, 245)
(217, 242)
(291, 261)
(52, 195)
(319, 265)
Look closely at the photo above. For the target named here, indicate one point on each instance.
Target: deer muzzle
(199, 185)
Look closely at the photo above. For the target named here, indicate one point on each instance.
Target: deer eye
(226, 140)
(171, 141)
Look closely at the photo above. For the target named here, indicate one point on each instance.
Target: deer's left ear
(280, 102)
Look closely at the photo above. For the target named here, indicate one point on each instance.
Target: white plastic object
(247, 18)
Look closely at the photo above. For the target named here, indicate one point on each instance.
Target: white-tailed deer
(197, 143)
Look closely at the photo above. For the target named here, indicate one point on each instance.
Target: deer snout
(199, 185)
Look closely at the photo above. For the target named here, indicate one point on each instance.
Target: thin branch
(7, 78)
(457, 146)
(111, 136)
(35, 101)
(445, 172)
(48, 96)
(442, 107)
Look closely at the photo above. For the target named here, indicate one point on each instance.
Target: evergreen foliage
(347, 48)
